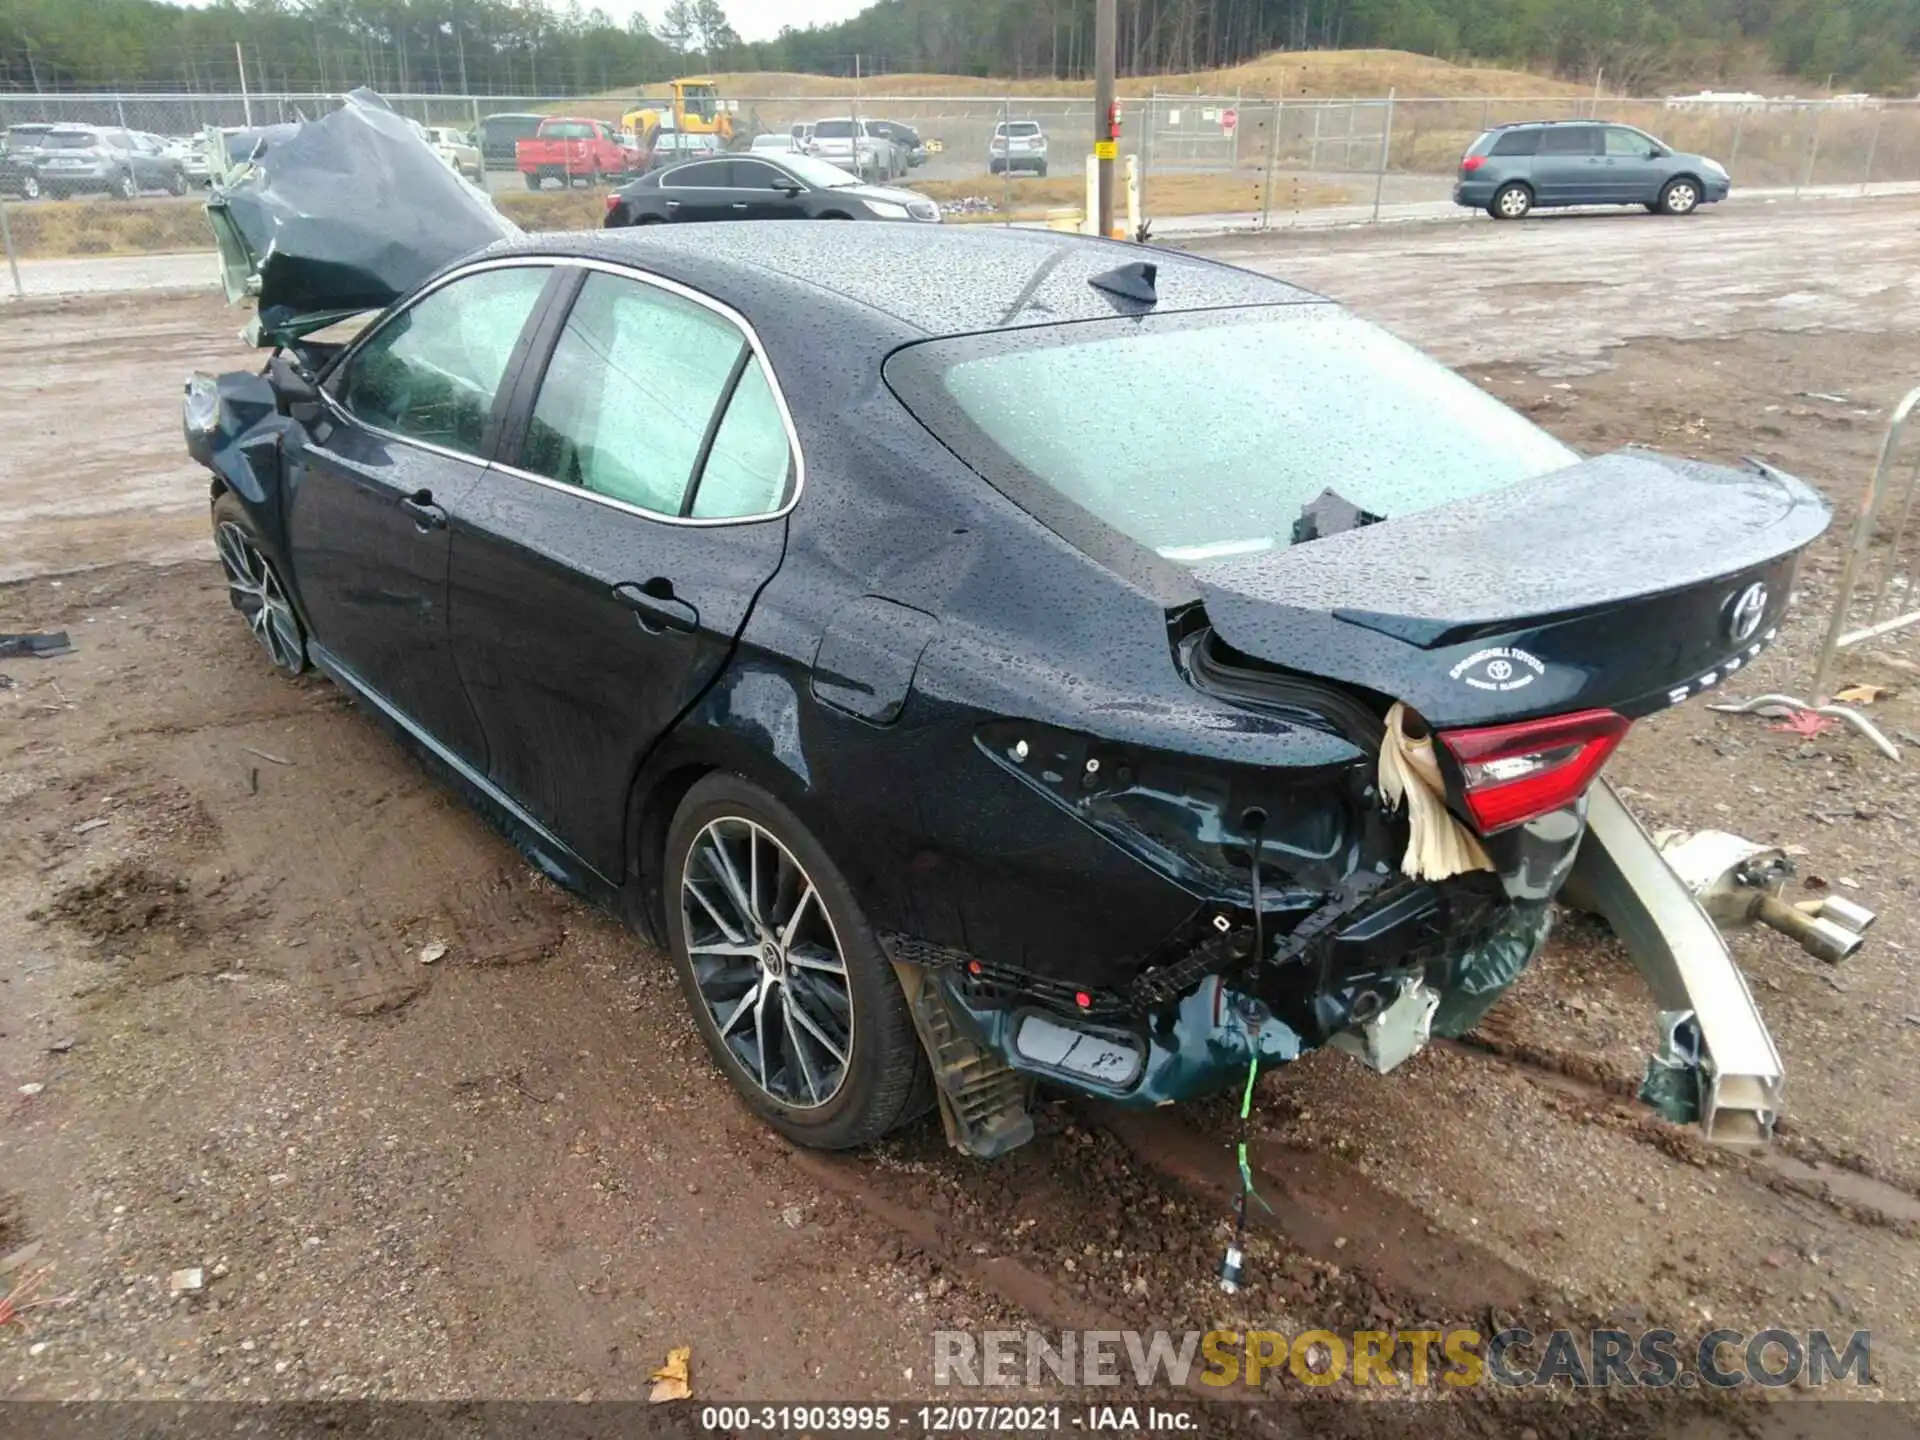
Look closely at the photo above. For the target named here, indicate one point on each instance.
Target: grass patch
(68, 228)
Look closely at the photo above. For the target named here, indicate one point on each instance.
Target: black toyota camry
(978, 656)
(760, 187)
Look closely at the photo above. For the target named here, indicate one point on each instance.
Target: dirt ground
(513, 1173)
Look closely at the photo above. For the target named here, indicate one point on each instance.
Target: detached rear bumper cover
(345, 214)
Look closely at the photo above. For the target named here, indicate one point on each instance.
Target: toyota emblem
(1746, 612)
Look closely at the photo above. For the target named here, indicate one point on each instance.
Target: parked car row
(65, 160)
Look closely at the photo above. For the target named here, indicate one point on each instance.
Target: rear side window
(751, 462)
(432, 372)
(1228, 423)
(708, 174)
(1570, 140)
(630, 394)
(1516, 142)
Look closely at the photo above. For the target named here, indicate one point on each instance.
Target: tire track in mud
(1795, 1165)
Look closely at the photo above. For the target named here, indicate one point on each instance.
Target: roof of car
(998, 277)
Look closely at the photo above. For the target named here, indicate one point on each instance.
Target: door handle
(656, 607)
(673, 204)
(426, 514)
(739, 204)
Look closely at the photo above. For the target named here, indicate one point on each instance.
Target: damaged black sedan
(982, 657)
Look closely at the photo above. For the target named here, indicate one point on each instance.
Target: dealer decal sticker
(1500, 668)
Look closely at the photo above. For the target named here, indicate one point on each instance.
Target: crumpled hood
(1628, 581)
(344, 214)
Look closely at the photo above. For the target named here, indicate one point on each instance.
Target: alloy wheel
(1681, 197)
(767, 962)
(30, 187)
(258, 596)
(1514, 202)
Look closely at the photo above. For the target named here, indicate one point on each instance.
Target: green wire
(1246, 1112)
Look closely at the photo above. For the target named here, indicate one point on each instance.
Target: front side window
(1624, 142)
(432, 372)
(1204, 435)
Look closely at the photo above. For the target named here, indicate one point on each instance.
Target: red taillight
(613, 202)
(1513, 773)
(1472, 163)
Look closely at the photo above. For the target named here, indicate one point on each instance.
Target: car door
(766, 192)
(411, 420)
(1566, 169)
(604, 567)
(1630, 166)
(698, 191)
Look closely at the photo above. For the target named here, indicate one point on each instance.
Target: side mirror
(294, 389)
(788, 189)
(1655, 154)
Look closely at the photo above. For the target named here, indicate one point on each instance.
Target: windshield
(1201, 435)
(699, 100)
(818, 173)
(70, 140)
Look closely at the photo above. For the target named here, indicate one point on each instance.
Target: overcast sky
(754, 19)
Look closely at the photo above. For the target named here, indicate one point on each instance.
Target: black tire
(29, 187)
(1041, 173)
(884, 1080)
(125, 189)
(1511, 201)
(835, 215)
(177, 183)
(1680, 196)
(1653, 207)
(534, 180)
(254, 584)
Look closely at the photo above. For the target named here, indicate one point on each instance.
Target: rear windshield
(566, 130)
(71, 140)
(833, 130)
(1201, 435)
(1020, 127)
(505, 127)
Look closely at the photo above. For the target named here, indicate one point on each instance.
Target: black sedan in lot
(760, 187)
(974, 654)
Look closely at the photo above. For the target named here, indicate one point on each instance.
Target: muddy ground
(513, 1172)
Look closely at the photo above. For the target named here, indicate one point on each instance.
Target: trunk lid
(1626, 582)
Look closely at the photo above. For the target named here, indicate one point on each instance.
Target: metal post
(1386, 143)
(1813, 151)
(246, 100)
(1106, 39)
(1006, 161)
(1739, 124)
(6, 243)
(1873, 144)
(1273, 156)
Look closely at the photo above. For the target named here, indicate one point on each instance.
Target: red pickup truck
(568, 149)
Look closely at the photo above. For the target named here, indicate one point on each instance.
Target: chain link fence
(1261, 160)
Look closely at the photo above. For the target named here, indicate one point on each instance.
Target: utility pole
(246, 100)
(1106, 39)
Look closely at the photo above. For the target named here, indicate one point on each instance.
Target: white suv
(1018, 145)
(848, 143)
